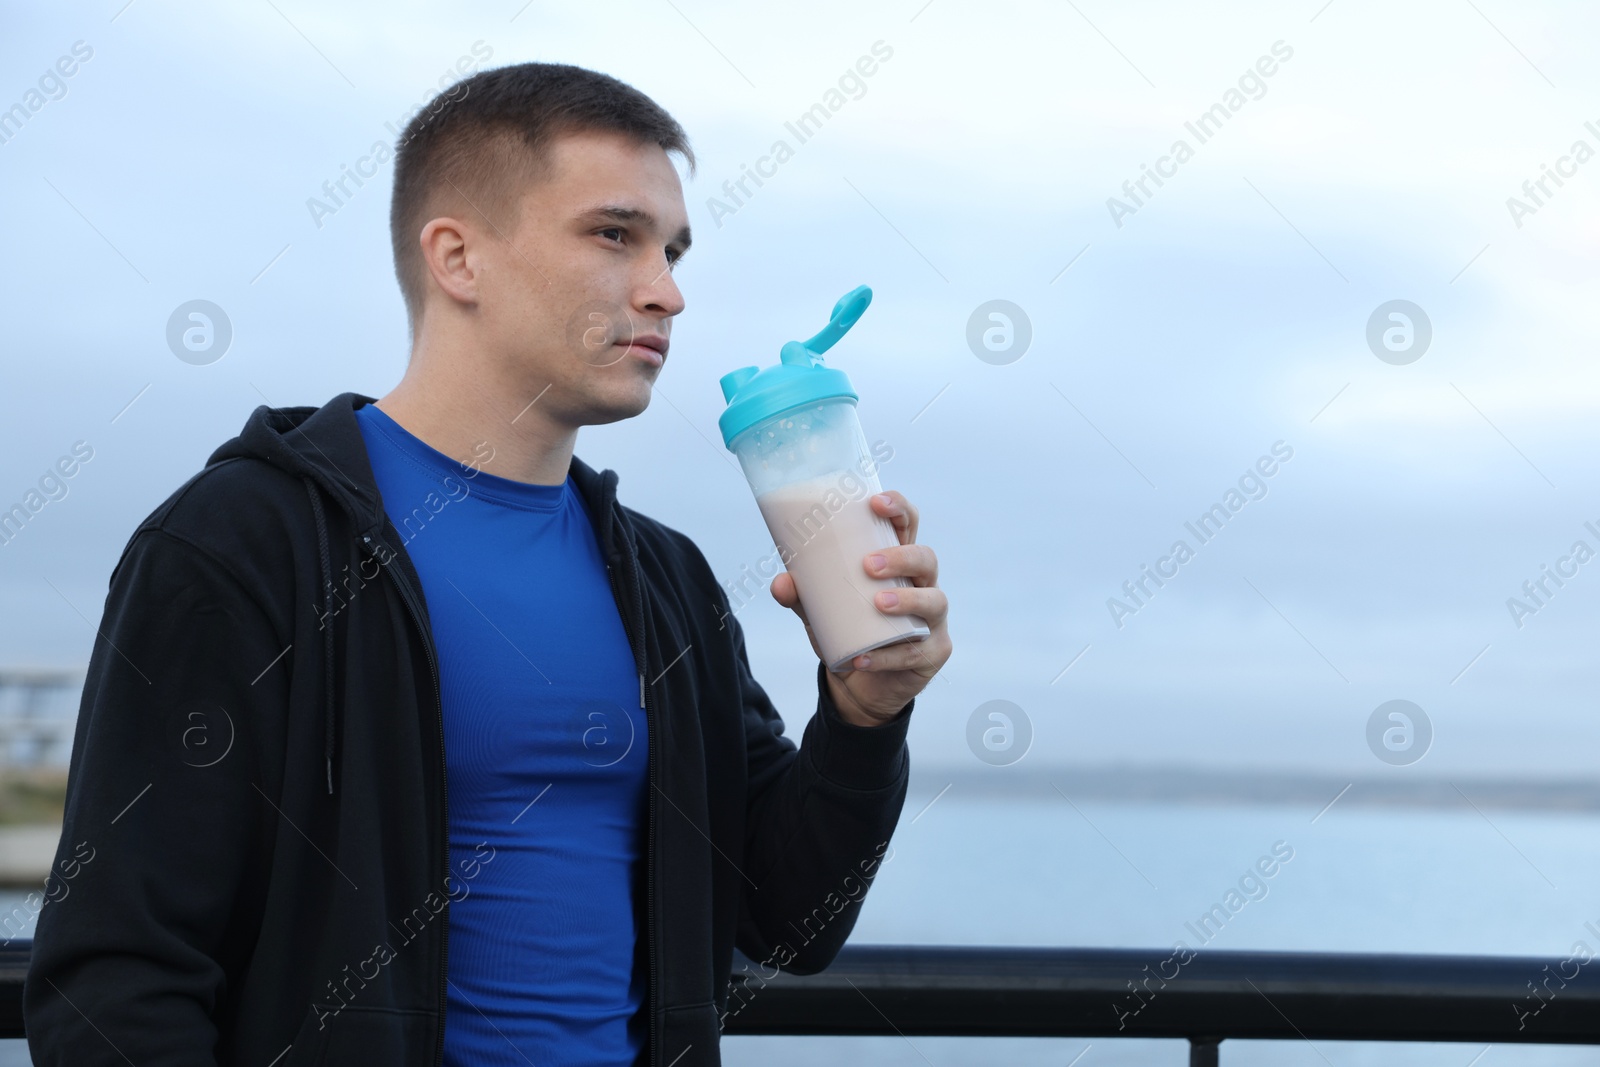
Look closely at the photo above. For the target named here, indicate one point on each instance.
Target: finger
(931, 604)
(899, 511)
(917, 562)
(915, 655)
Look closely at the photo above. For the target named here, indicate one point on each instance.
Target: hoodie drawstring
(330, 710)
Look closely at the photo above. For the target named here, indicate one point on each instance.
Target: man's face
(588, 269)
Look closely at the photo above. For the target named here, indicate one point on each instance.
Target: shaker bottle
(794, 428)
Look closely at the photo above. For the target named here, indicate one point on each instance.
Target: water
(1084, 872)
(1046, 870)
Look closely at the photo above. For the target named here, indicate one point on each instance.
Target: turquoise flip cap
(755, 395)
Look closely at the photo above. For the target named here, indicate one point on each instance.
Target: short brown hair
(487, 138)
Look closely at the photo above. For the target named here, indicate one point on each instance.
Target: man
(354, 605)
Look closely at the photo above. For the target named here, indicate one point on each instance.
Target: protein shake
(825, 552)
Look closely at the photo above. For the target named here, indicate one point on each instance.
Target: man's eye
(612, 229)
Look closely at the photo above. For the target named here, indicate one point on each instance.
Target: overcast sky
(1177, 335)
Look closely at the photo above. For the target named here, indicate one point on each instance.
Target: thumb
(783, 590)
(785, 593)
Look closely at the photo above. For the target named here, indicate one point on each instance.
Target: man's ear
(444, 250)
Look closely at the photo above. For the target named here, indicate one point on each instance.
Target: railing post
(1203, 1051)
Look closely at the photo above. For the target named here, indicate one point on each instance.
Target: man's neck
(480, 422)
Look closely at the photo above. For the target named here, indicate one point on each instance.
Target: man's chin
(616, 409)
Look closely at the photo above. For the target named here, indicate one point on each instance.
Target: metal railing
(13, 969)
(985, 991)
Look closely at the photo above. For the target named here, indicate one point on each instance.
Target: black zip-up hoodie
(254, 866)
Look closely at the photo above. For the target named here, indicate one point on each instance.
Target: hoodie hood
(323, 447)
(324, 444)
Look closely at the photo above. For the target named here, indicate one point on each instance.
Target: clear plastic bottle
(795, 430)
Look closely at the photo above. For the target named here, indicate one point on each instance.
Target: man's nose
(662, 295)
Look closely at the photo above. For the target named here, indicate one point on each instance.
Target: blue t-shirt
(546, 757)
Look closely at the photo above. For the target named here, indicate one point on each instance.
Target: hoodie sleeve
(818, 823)
(132, 952)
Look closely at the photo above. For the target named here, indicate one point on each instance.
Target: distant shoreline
(1189, 785)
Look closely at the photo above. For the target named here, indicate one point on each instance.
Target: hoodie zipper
(438, 700)
(651, 993)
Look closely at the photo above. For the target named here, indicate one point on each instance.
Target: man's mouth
(652, 348)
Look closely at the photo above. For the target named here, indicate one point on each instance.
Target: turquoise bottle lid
(755, 395)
